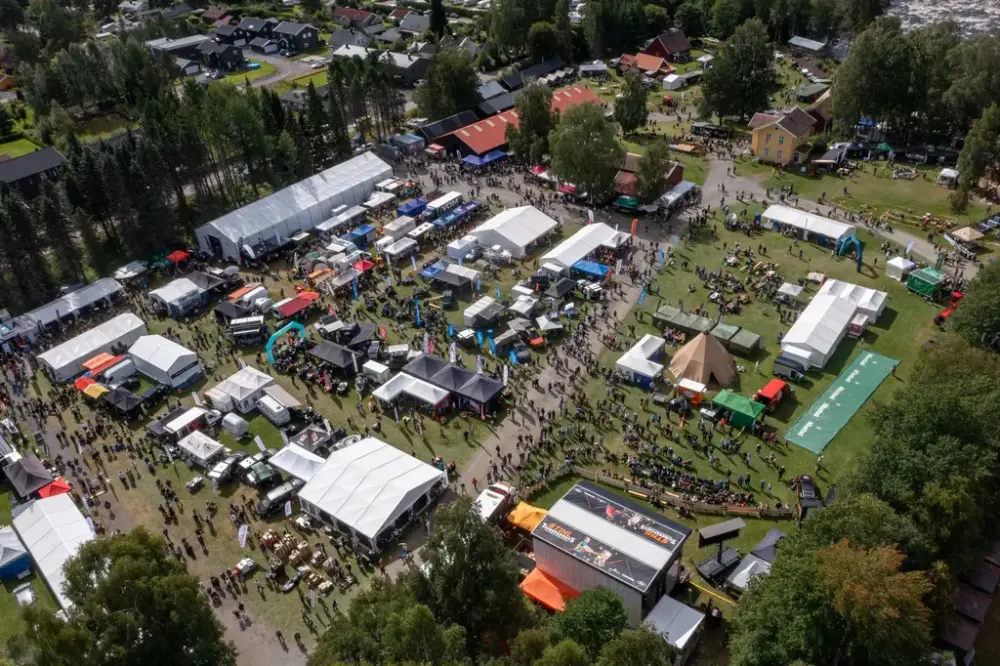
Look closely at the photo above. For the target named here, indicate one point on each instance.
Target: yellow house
(780, 137)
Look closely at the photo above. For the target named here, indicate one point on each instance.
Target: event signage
(596, 553)
(627, 519)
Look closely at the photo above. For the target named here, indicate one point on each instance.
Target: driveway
(284, 69)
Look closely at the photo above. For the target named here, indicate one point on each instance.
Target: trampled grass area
(17, 147)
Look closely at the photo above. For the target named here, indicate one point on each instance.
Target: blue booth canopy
(432, 271)
(493, 156)
(412, 208)
(454, 216)
(473, 160)
(592, 268)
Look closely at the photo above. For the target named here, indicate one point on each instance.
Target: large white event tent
(66, 360)
(164, 361)
(819, 329)
(240, 391)
(515, 229)
(53, 530)
(637, 362)
(296, 461)
(200, 448)
(869, 301)
(368, 489)
(298, 207)
(581, 244)
(808, 223)
(71, 304)
(411, 386)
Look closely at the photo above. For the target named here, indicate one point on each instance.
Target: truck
(772, 394)
(495, 501)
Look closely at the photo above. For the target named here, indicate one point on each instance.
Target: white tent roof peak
(199, 445)
(244, 383)
(160, 352)
(297, 461)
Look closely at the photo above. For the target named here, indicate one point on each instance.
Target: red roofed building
(626, 181)
(672, 45)
(359, 18)
(644, 63)
(398, 14)
(490, 133)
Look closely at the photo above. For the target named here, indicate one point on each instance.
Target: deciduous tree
(530, 138)
(451, 85)
(630, 107)
(585, 151)
(653, 166)
(592, 620)
(743, 77)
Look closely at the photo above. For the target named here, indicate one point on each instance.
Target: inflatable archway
(280, 332)
(846, 243)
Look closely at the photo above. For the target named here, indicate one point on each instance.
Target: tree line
(871, 578)
(198, 151)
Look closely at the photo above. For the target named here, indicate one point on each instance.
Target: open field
(17, 147)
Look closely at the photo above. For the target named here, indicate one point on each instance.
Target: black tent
(451, 377)
(311, 438)
(424, 366)
(333, 354)
(123, 400)
(481, 389)
(767, 549)
(226, 312)
(451, 279)
(27, 475)
(561, 288)
(361, 333)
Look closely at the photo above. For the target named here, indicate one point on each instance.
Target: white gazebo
(240, 391)
(898, 268)
(201, 449)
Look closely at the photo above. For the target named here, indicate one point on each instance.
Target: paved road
(284, 69)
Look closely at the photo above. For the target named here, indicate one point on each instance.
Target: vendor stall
(899, 268)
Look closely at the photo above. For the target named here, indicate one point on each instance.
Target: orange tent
(547, 591)
(242, 291)
(82, 383)
(58, 487)
(101, 362)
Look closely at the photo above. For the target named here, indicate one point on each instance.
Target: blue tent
(432, 271)
(14, 558)
(493, 156)
(412, 208)
(592, 268)
(473, 160)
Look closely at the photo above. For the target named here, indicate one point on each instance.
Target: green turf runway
(832, 410)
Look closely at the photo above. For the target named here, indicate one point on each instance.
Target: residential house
(390, 36)
(349, 37)
(810, 93)
(264, 46)
(671, 45)
(359, 18)
(465, 44)
(415, 24)
(407, 67)
(182, 47)
(132, 7)
(821, 111)
(398, 14)
(25, 174)
(257, 27)
(626, 180)
(810, 47)
(231, 34)
(175, 10)
(780, 137)
(490, 89)
(423, 49)
(297, 100)
(650, 65)
(223, 57)
(187, 67)
(213, 14)
(298, 36)
(348, 51)
(518, 80)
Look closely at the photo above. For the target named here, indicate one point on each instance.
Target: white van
(275, 412)
(495, 502)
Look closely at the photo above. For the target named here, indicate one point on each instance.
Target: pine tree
(97, 258)
(340, 140)
(439, 21)
(51, 217)
(316, 124)
(284, 155)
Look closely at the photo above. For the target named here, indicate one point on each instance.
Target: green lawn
(317, 79)
(17, 147)
(242, 75)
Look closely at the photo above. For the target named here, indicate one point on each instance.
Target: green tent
(744, 410)
(725, 333)
(926, 282)
(627, 202)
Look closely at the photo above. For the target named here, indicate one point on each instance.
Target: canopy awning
(526, 516)
(177, 256)
(547, 591)
(58, 487)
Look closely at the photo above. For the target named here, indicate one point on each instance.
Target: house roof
(254, 24)
(795, 121)
(349, 36)
(811, 89)
(630, 162)
(31, 164)
(645, 62)
(415, 23)
(564, 98)
(176, 9)
(398, 13)
(497, 104)
(351, 14)
(226, 30)
(292, 28)
(491, 89)
(214, 13)
(673, 41)
(439, 128)
(261, 41)
(390, 36)
(807, 44)
(518, 79)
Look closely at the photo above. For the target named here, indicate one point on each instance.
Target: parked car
(223, 470)
(292, 582)
(474, 253)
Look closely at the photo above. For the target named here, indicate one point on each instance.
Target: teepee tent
(704, 360)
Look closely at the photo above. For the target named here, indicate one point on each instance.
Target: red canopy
(364, 265)
(773, 389)
(58, 487)
(548, 591)
(566, 188)
(297, 304)
(538, 170)
(82, 383)
(101, 362)
(309, 296)
(177, 256)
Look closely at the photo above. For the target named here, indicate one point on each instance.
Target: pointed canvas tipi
(704, 360)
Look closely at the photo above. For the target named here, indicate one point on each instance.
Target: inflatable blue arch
(280, 332)
(847, 243)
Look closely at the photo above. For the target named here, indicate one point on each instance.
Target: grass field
(17, 147)
(302, 82)
(242, 75)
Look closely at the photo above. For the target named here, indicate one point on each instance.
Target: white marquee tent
(819, 329)
(239, 391)
(65, 361)
(72, 303)
(749, 566)
(297, 461)
(367, 487)
(177, 294)
(164, 361)
(869, 301)
(581, 244)
(807, 223)
(53, 530)
(898, 268)
(677, 623)
(200, 448)
(298, 207)
(412, 386)
(515, 229)
(636, 361)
